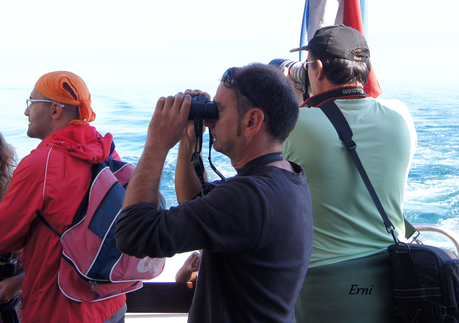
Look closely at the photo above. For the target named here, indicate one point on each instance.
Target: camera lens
(297, 72)
(280, 63)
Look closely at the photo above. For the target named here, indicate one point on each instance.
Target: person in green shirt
(349, 275)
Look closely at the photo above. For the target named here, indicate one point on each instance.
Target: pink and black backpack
(92, 269)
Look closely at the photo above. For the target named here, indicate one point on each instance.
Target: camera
(297, 72)
(206, 109)
(8, 266)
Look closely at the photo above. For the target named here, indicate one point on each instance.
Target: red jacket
(52, 181)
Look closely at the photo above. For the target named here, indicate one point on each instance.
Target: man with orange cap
(51, 182)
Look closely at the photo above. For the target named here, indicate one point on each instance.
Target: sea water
(432, 194)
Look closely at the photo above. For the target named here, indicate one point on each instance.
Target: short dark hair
(273, 94)
(342, 71)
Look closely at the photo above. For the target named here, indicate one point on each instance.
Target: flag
(352, 13)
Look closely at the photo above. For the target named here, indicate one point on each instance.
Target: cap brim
(299, 48)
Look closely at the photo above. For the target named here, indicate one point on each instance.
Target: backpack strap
(46, 223)
(121, 170)
(336, 117)
(96, 168)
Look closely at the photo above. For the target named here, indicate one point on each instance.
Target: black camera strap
(196, 158)
(211, 141)
(260, 161)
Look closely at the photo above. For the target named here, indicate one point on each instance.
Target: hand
(189, 132)
(192, 263)
(168, 121)
(197, 92)
(187, 273)
(298, 94)
(10, 288)
(187, 184)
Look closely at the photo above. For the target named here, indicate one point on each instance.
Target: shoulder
(313, 129)
(306, 112)
(267, 178)
(30, 171)
(240, 188)
(398, 111)
(37, 159)
(311, 117)
(396, 106)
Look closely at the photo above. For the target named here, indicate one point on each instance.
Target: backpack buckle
(94, 286)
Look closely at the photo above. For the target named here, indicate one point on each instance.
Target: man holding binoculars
(255, 229)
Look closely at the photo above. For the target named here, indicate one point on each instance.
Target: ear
(56, 111)
(253, 121)
(319, 71)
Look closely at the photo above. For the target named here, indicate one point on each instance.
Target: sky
(184, 43)
(162, 47)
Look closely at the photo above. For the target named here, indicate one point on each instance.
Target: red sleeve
(21, 204)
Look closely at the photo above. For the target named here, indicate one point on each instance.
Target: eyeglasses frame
(306, 64)
(29, 102)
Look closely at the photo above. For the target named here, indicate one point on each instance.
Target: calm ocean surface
(432, 193)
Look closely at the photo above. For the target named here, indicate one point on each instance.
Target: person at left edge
(51, 181)
(255, 253)
(10, 286)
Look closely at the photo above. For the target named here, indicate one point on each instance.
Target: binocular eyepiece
(206, 109)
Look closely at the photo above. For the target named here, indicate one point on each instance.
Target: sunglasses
(229, 81)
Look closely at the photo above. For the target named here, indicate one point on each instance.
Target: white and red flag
(352, 13)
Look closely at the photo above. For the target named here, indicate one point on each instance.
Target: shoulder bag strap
(336, 117)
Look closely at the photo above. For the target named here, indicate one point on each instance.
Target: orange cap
(68, 88)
